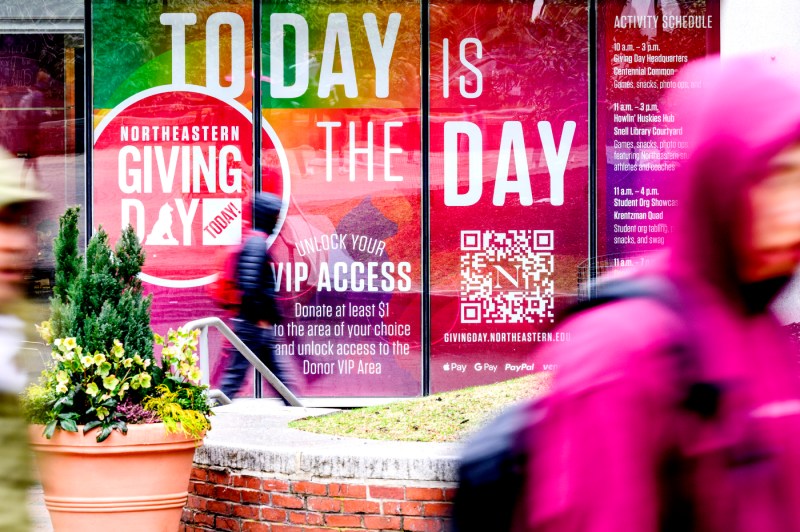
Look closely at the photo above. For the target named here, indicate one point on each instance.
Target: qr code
(506, 277)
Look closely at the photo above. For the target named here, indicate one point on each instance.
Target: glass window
(509, 166)
(342, 104)
(41, 125)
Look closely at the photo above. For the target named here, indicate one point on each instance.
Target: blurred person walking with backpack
(689, 419)
(258, 311)
(17, 250)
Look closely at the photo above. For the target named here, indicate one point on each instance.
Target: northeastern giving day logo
(177, 164)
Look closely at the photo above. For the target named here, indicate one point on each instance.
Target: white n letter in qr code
(506, 277)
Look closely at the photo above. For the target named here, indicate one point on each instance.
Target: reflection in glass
(508, 181)
(41, 122)
(341, 95)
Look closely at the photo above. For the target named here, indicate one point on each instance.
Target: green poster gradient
(331, 27)
(132, 49)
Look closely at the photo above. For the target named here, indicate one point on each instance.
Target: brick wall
(222, 499)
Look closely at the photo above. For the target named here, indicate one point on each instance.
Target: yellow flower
(99, 358)
(62, 377)
(117, 350)
(194, 340)
(123, 389)
(127, 362)
(195, 374)
(70, 343)
(102, 412)
(45, 331)
(104, 369)
(61, 388)
(86, 360)
(110, 382)
(188, 341)
(143, 379)
(92, 389)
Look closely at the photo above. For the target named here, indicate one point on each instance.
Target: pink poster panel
(341, 89)
(641, 45)
(508, 182)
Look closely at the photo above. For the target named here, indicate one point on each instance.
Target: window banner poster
(641, 45)
(173, 140)
(341, 88)
(508, 182)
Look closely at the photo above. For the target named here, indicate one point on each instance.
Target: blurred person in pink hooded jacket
(617, 449)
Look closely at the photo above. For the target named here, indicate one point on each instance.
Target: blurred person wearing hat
(17, 250)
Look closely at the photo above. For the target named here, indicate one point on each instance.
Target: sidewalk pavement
(254, 433)
(38, 512)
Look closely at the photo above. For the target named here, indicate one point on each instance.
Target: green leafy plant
(178, 399)
(174, 410)
(102, 346)
(89, 386)
(35, 403)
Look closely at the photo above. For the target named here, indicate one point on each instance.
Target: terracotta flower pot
(129, 483)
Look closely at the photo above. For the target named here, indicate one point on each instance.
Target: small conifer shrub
(104, 374)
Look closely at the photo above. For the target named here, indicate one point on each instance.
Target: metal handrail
(203, 324)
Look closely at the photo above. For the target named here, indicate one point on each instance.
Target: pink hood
(747, 111)
(613, 412)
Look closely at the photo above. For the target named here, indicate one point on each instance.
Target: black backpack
(493, 465)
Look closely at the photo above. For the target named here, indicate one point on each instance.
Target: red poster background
(532, 66)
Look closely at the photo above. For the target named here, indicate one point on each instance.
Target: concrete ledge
(253, 435)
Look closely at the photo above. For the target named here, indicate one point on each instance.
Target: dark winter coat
(257, 282)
